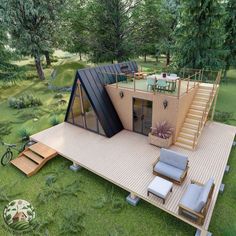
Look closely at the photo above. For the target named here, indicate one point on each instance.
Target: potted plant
(161, 135)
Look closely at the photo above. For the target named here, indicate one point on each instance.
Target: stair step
(188, 130)
(205, 87)
(190, 126)
(33, 156)
(199, 103)
(42, 150)
(185, 141)
(25, 165)
(196, 107)
(193, 116)
(195, 112)
(186, 135)
(191, 121)
(199, 94)
(205, 91)
(185, 146)
(199, 98)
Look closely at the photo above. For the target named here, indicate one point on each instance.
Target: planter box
(159, 142)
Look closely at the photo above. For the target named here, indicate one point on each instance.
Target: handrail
(206, 110)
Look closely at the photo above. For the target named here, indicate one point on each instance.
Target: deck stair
(33, 158)
(196, 117)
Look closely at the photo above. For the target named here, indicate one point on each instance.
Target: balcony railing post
(179, 88)
(116, 80)
(134, 84)
(188, 84)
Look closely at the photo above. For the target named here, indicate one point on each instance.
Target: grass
(64, 73)
(98, 205)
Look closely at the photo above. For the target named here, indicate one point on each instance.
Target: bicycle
(8, 155)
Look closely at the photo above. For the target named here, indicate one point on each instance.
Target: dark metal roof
(93, 81)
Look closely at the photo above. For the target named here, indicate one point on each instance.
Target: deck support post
(132, 199)
(222, 188)
(75, 167)
(227, 169)
(202, 233)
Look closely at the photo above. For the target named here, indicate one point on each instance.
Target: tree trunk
(48, 59)
(38, 66)
(167, 58)
(145, 57)
(80, 56)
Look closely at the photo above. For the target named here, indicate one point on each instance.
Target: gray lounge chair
(196, 200)
(171, 165)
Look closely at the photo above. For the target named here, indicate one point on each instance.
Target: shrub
(162, 130)
(222, 116)
(24, 101)
(24, 134)
(58, 96)
(5, 128)
(54, 121)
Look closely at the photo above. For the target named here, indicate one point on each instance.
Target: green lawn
(100, 204)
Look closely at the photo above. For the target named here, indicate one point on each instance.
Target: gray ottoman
(160, 188)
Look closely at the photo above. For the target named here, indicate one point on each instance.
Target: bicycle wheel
(7, 157)
(28, 144)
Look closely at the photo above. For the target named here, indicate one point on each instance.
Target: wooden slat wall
(126, 159)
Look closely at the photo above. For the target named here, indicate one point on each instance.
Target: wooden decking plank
(126, 159)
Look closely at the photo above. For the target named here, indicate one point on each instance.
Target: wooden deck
(126, 159)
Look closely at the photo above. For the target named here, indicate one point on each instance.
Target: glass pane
(90, 116)
(76, 116)
(100, 129)
(147, 116)
(137, 115)
(77, 112)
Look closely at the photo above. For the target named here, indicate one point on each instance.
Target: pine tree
(199, 34)
(110, 29)
(148, 27)
(230, 29)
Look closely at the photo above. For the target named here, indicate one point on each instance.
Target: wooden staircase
(196, 117)
(32, 159)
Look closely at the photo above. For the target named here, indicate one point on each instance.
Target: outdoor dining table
(172, 80)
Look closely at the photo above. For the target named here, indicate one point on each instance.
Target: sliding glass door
(142, 116)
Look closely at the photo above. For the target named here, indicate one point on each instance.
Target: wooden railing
(204, 117)
(183, 85)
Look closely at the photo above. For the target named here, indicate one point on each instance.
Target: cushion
(173, 158)
(191, 196)
(160, 187)
(205, 192)
(168, 170)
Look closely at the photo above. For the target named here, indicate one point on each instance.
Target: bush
(223, 117)
(58, 96)
(24, 134)
(54, 121)
(30, 75)
(24, 101)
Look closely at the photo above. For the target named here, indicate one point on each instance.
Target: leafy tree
(74, 31)
(230, 29)
(199, 34)
(110, 29)
(9, 73)
(148, 27)
(31, 24)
